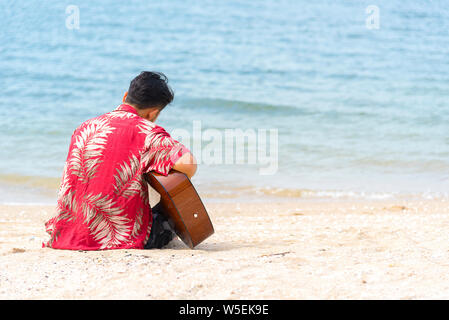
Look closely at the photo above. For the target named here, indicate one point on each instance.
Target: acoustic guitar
(182, 206)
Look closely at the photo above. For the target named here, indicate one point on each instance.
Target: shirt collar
(127, 108)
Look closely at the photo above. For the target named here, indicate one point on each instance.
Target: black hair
(150, 89)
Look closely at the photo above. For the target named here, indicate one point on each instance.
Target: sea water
(357, 91)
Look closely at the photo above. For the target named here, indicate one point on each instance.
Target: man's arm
(186, 164)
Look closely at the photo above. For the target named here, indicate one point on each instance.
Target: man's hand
(186, 164)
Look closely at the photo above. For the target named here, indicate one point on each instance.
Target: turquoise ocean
(360, 111)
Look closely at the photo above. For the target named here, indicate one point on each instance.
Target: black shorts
(161, 231)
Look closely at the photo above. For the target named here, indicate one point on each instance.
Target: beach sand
(274, 250)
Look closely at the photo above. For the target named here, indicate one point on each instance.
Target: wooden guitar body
(182, 206)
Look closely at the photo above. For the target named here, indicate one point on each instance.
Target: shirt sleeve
(162, 151)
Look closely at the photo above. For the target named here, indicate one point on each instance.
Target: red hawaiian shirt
(103, 198)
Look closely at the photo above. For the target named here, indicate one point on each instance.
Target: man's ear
(125, 95)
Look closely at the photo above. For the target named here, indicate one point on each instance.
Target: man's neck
(150, 114)
(140, 112)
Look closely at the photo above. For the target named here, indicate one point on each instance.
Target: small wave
(242, 106)
(326, 194)
(266, 193)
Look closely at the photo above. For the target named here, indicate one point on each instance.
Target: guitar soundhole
(195, 215)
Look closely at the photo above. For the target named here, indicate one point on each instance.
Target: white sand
(296, 250)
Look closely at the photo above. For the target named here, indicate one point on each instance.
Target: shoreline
(369, 249)
(43, 191)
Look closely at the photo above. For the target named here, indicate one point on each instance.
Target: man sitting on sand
(103, 198)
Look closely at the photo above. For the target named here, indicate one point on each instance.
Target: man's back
(103, 198)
